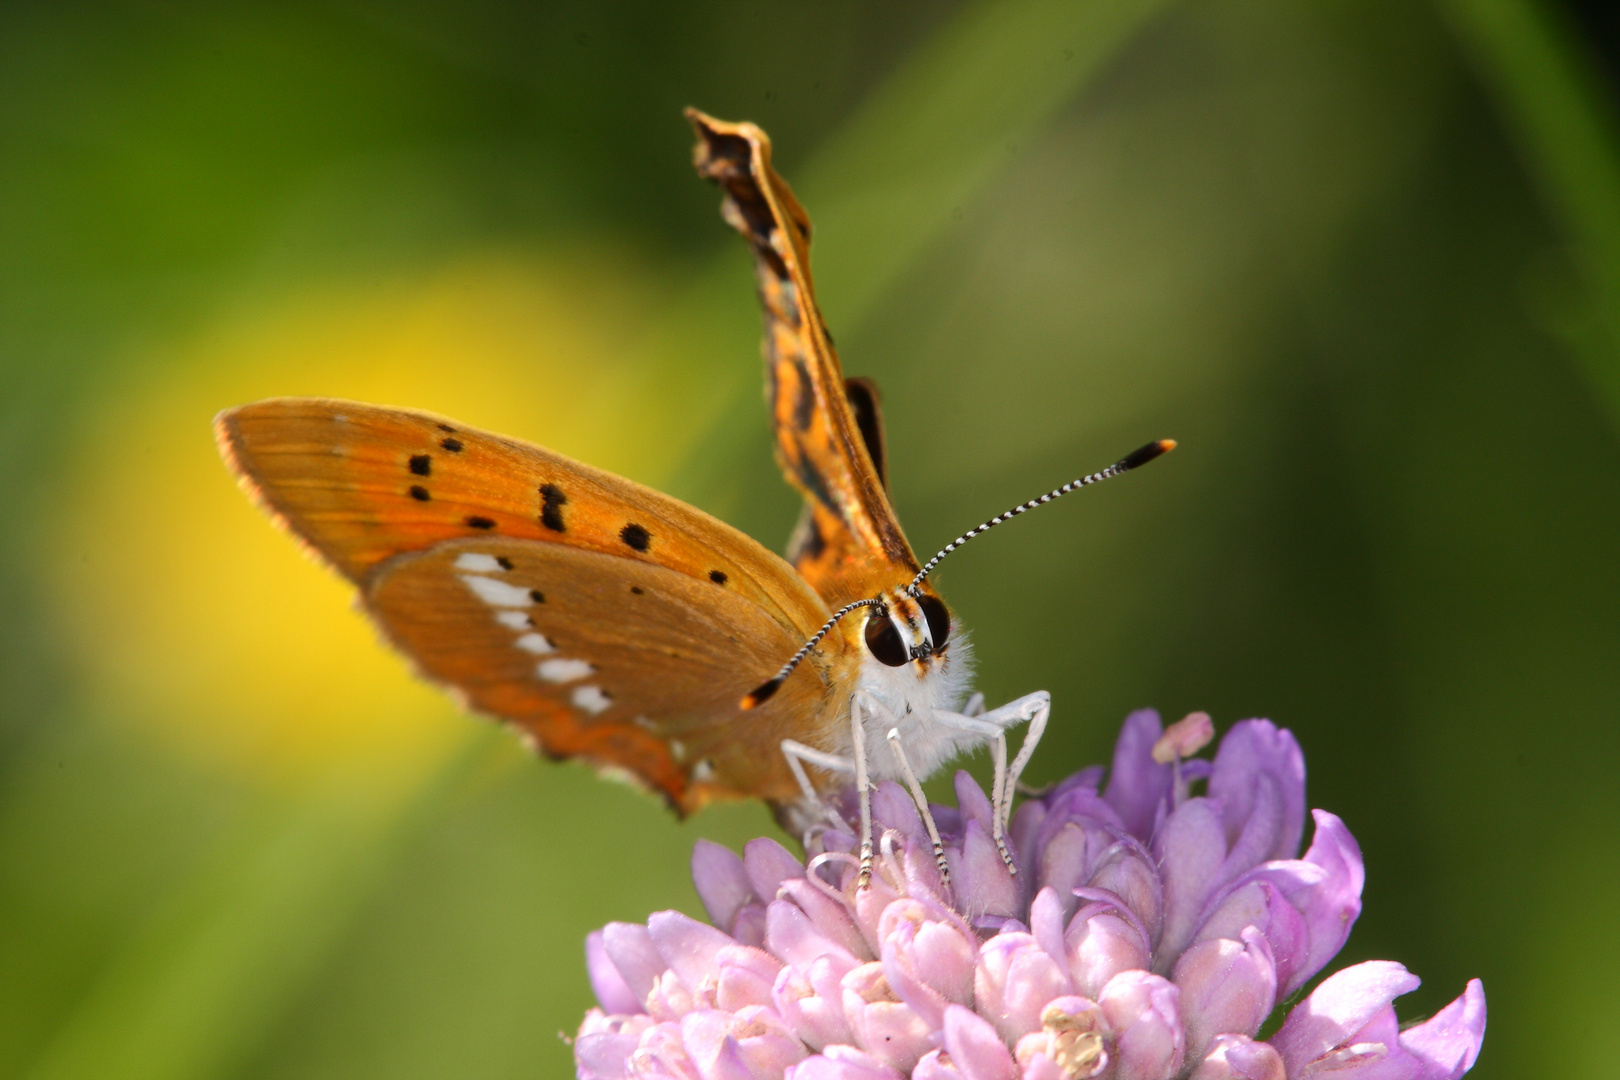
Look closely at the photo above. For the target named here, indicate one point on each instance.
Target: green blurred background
(1361, 258)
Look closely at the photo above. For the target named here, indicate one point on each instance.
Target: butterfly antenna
(764, 690)
(1124, 464)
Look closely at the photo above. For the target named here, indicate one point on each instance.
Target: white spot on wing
(677, 749)
(643, 722)
(473, 560)
(591, 699)
(514, 619)
(563, 669)
(535, 643)
(703, 771)
(496, 593)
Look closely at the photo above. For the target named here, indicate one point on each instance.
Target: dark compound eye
(939, 620)
(883, 641)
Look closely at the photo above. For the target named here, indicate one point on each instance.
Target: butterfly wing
(850, 545)
(606, 620)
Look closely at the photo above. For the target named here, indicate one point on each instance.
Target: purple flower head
(1148, 934)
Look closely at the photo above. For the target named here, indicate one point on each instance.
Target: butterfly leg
(921, 800)
(863, 786)
(997, 738)
(797, 755)
(1033, 708)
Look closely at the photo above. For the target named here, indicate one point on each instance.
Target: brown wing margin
(852, 540)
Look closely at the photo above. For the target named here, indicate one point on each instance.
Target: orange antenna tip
(1145, 455)
(761, 693)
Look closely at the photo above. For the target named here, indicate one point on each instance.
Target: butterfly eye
(939, 620)
(883, 641)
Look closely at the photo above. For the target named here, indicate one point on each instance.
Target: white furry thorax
(911, 694)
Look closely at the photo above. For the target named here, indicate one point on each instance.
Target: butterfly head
(903, 628)
(906, 626)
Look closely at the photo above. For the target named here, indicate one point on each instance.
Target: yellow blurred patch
(198, 621)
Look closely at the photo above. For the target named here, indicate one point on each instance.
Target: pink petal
(888, 1029)
(842, 1063)
(687, 946)
(1143, 1012)
(611, 989)
(791, 935)
(1136, 783)
(1238, 1057)
(812, 1001)
(1259, 776)
(1191, 847)
(1227, 987)
(975, 1049)
(721, 882)
(1345, 1002)
(1448, 1042)
(630, 947)
(768, 865)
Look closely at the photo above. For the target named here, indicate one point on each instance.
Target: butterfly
(607, 621)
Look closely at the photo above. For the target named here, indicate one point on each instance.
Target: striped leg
(797, 755)
(1034, 708)
(921, 800)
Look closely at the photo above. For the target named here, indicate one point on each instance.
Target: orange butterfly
(610, 622)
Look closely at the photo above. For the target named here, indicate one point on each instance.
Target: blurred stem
(1558, 110)
(888, 185)
(199, 987)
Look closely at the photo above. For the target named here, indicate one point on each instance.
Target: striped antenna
(764, 690)
(1124, 464)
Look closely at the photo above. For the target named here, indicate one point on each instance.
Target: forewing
(851, 544)
(394, 499)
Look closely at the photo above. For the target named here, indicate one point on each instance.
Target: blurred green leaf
(196, 989)
(1562, 115)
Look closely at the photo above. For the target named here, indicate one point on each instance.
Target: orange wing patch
(850, 545)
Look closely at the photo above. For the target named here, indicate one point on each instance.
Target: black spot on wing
(635, 536)
(478, 522)
(447, 428)
(815, 485)
(537, 596)
(863, 402)
(814, 542)
(804, 396)
(552, 500)
(717, 576)
(452, 445)
(421, 465)
(637, 590)
(420, 493)
(503, 562)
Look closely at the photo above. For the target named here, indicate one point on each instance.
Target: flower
(1148, 935)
